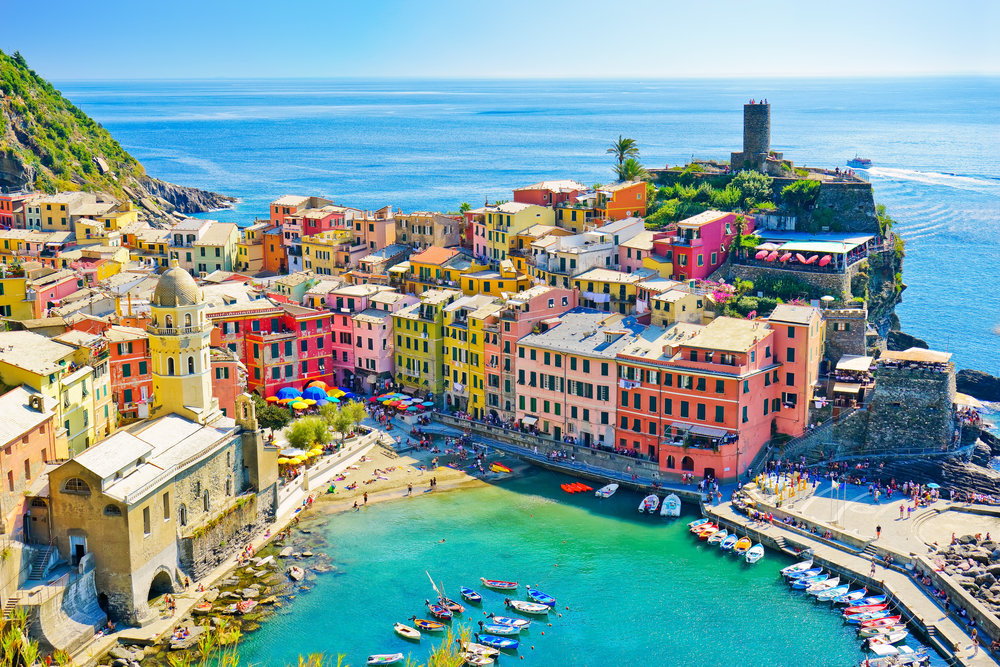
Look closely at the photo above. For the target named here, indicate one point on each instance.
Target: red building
(549, 193)
(701, 244)
(228, 379)
(131, 371)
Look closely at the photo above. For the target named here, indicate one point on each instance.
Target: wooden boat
(864, 633)
(499, 467)
(852, 597)
(798, 567)
(742, 546)
(649, 503)
(477, 660)
(385, 658)
(202, 608)
(508, 620)
(497, 642)
(802, 584)
(451, 605)
(406, 632)
(527, 607)
(498, 629)
(697, 522)
(718, 536)
(864, 617)
(246, 606)
(470, 595)
(708, 532)
(671, 506)
(863, 608)
(480, 649)
(821, 586)
(755, 553)
(805, 574)
(872, 599)
(889, 638)
(496, 584)
(541, 598)
(699, 527)
(882, 622)
(886, 650)
(427, 626)
(437, 611)
(606, 491)
(832, 593)
(728, 543)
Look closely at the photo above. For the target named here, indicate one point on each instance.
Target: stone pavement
(923, 607)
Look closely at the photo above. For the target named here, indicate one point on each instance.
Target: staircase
(779, 540)
(870, 552)
(38, 567)
(8, 608)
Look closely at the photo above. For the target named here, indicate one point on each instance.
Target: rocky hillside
(48, 144)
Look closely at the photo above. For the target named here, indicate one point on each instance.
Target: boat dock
(918, 609)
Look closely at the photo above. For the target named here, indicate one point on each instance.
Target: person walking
(366, 497)
(975, 642)
(901, 508)
(873, 570)
(409, 489)
(878, 532)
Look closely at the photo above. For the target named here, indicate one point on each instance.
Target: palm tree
(630, 170)
(624, 149)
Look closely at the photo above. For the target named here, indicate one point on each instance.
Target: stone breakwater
(975, 566)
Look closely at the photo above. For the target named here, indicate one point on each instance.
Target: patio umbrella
(373, 400)
(285, 401)
(393, 404)
(309, 401)
(272, 399)
(292, 452)
(289, 392)
(771, 256)
(316, 452)
(333, 400)
(825, 260)
(338, 392)
(282, 461)
(412, 407)
(787, 256)
(315, 393)
(761, 254)
(296, 461)
(427, 404)
(321, 402)
(932, 485)
(300, 405)
(318, 383)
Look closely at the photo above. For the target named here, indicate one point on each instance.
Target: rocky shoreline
(975, 566)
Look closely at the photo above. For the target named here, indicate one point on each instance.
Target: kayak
(499, 467)
(498, 584)
(470, 595)
(541, 598)
(405, 631)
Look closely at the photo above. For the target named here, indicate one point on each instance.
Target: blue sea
(935, 143)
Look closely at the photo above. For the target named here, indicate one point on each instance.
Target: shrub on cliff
(754, 187)
(800, 195)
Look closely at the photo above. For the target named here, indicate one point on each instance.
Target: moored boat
(852, 597)
(874, 632)
(798, 567)
(385, 658)
(497, 642)
(882, 622)
(470, 595)
(832, 593)
(888, 638)
(697, 522)
(866, 617)
(498, 585)
(540, 597)
(699, 527)
(498, 629)
(477, 660)
(865, 608)
(451, 605)
(805, 574)
(527, 607)
(718, 536)
(406, 632)
(755, 553)
(742, 546)
(437, 611)
(499, 467)
(426, 625)
(508, 620)
(480, 649)
(649, 503)
(671, 506)
(606, 491)
(821, 586)
(806, 582)
(728, 543)
(708, 532)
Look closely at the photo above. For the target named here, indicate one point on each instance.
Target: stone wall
(853, 205)
(207, 547)
(835, 284)
(912, 408)
(845, 331)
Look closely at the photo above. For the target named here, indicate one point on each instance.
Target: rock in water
(982, 385)
(296, 573)
(286, 552)
(898, 341)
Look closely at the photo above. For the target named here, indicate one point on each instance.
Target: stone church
(172, 496)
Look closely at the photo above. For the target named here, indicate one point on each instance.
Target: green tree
(356, 413)
(328, 413)
(800, 194)
(885, 223)
(342, 424)
(623, 149)
(301, 434)
(754, 187)
(321, 433)
(271, 416)
(630, 170)
(465, 208)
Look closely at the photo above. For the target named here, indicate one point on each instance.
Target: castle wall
(912, 408)
(835, 284)
(853, 205)
(840, 340)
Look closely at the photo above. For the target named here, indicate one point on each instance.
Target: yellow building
(179, 344)
(494, 283)
(439, 267)
(14, 301)
(680, 306)
(577, 217)
(663, 266)
(463, 351)
(119, 217)
(92, 350)
(478, 321)
(93, 232)
(607, 290)
(49, 367)
(151, 246)
(250, 249)
(319, 251)
(419, 331)
(503, 222)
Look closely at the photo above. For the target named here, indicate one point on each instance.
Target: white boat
(798, 567)
(649, 503)
(755, 554)
(406, 631)
(671, 506)
(821, 586)
(477, 660)
(385, 659)
(893, 637)
(480, 649)
(527, 607)
(718, 536)
(606, 491)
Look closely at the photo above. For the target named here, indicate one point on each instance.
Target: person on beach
(366, 497)
(409, 489)
(878, 532)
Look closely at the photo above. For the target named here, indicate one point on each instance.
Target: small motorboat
(427, 626)
(649, 503)
(476, 659)
(798, 567)
(470, 595)
(437, 611)
(742, 546)
(857, 619)
(385, 658)
(887, 650)
(718, 536)
(508, 620)
(859, 163)
(202, 608)
(699, 527)
(527, 607)
(480, 649)
(821, 586)
(496, 584)
(541, 598)
(499, 629)
(606, 491)
(889, 637)
(406, 632)
(671, 506)
(451, 605)
(865, 608)
(708, 532)
(882, 622)
(832, 593)
(729, 543)
(802, 584)
(805, 574)
(499, 467)
(497, 642)
(755, 554)
(864, 633)
(697, 522)
(852, 597)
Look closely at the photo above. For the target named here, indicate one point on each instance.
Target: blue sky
(115, 39)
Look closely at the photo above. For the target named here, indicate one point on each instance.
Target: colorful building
(27, 442)
(374, 356)
(436, 268)
(499, 224)
(250, 249)
(631, 252)
(504, 280)
(422, 230)
(15, 302)
(800, 336)
(462, 351)
(292, 354)
(482, 337)
(92, 351)
(607, 290)
(549, 193)
(419, 331)
(701, 244)
(229, 379)
(625, 199)
(131, 372)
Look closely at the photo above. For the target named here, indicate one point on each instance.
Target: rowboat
(477, 660)
(427, 626)
(697, 522)
(833, 592)
(806, 582)
(649, 503)
(755, 553)
(708, 532)
(699, 527)
(437, 611)
(406, 632)
(874, 599)
(606, 491)
(499, 467)
(499, 629)
(451, 605)
(671, 506)
(897, 652)
(498, 585)
(798, 567)
(864, 608)
(888, 638)
(821, 586)
(852, 597)
(805, 574)
(874, 632)
(527, 607)
(856, 619)
(718, 536)
(883, 622)
(470, 595)
(742, 546)
(540, 597)
(728, 543)
(480, 649)
(507, 620)
(385, 659)
(497, 642)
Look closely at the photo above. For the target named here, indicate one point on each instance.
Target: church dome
(175, 288)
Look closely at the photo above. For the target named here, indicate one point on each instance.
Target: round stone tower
(756, 129)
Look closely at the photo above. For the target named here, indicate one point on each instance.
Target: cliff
(48, 144)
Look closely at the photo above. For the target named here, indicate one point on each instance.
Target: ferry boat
(859, 163)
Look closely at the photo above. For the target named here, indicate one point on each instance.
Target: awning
(966, 400)
(846, 388)
(409, 390)
(708, 431)
(852, 362)
(529, 421)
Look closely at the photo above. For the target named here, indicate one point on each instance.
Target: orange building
(625, 199)
(27, 439)
(275, 252)
(228, 379)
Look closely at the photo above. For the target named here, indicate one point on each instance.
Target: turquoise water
(640, 589)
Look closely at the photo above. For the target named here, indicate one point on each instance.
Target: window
(790, 379)
(790, 354)
(146, 528)
(170, 365)
(142, 368)
(701, 384)
(586, 366)
(720, 414)
(206, 501)
(624, 399)
(112, 510)
(652, 404)
(533, 355)
(685, 409)
(701, 412)
(652, 428)
(720, 386)
(694, 355)
(624, 422)
(572, 363)
(791, 332)
(166, 506)
(637, 401)
(127, 396)
(126, 370)
(668, 406)
(775, 404)
(190, 365)
(746, 417)
(76, 485)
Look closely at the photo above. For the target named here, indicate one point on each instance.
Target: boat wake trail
(988, 186)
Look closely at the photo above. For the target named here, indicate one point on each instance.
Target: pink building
(549, 193)
(701, 244)
(373, 341)
(375, 229)
(632, 251)
(49, 290)
(229, 379)
(344, 303)
(799, 336)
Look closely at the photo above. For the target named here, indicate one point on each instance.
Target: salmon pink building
(549, 193)
(344, 303)
(373, 342)
(131, 371)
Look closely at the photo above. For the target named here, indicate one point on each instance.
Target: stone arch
(671, 463)
(687, 464)
(170, 365)
(168, 322)
(187, 320)
(161, 584)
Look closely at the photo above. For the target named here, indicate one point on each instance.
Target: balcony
(184, 331)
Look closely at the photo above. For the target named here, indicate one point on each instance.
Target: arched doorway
(102, 602)
(687, 464)
(161, 585)
(671, 464)
(709, 473)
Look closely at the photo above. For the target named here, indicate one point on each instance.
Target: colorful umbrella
(393, 404)
(289, 392)
(315, 393)
(333, 400)
(296, 461)
(300, 405)
(318, 383)
(309, 401)
(282, 461)
(427, 404)
(338, 392)
(412, 407)
(373, 400)
(320, 403)
(272, 399)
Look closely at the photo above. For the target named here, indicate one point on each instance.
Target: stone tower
(756, 138)
(179, 340)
